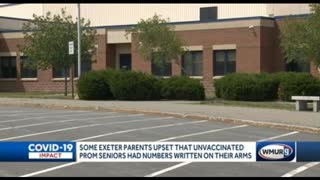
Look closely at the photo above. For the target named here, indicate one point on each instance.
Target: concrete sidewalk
(284, 119)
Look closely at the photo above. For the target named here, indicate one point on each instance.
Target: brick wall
(247, 51)
(44, 81)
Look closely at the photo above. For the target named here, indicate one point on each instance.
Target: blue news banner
(37, 151)
(274, 151)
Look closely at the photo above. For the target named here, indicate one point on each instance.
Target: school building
(222, 38)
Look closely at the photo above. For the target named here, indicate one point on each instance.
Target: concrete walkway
(293, 120)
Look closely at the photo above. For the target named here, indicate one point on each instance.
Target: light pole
(79, 43)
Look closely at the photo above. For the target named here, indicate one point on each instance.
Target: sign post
(71, 52)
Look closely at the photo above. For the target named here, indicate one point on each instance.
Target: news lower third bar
(52, 151)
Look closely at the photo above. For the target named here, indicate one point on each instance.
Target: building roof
(16, 23)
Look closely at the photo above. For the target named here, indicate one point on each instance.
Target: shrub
(182, 88)
(246, 87)
(128, 85)
(296, 84)
(94, 85)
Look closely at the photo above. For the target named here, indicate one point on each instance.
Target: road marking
(205, 132)
(13, 111)
(52, 122)
(138, 129)
(78, 127)
(189, 162)
(283, 135)
(300, 169)
(168, 169)
(49, 169)
(108, 134)
(42, 113)
(41, 117)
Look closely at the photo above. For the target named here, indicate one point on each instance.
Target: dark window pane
(231, 61)
(192, 63)
(59, 72)
(85, 67)
(197, 64)
(219, 63)
(27, 72)
(298, 67)
(161, 69)
(208, 13)
(187, 64)
(8, 68)
(224, 62)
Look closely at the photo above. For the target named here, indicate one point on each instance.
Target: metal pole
(79, 43)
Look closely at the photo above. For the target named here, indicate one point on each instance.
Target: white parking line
(189, 162)
(108, 134)
(205, 132)
(41, 117)
(300, 169)
(49, 169)
(145, 128)
(69, 120)
(276, 137)
(78, 127)
(168, 169)
(43, 113)
(8, 111)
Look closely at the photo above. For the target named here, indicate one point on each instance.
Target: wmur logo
(275, 151)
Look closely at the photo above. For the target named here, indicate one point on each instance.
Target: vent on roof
(208, 13)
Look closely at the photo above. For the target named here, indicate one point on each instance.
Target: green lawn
(264, 104)
(43, 95)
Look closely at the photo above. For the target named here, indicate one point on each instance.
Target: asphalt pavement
(40, 124)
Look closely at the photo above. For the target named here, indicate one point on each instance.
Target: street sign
(71, 47)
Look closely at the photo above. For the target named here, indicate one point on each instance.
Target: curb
(178, 115)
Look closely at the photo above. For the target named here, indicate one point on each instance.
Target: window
(208, 13)
(8, 67)
(85, 67)
(192, 63)
(298, 66)
(27, 72)
(224, 62)
(162, 68)
(59, 72)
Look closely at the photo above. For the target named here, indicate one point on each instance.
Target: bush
(246, 87)
(296, 84)
(182, 88)
(128, 85)
(94, 85)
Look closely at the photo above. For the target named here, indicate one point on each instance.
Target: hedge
(94, 85)
(182, 88)
(259, 87)
(246, 87)
(129, 85)
(296, 84)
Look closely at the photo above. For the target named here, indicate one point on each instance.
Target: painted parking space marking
(42, 113)
(108, 134)
(42, 117)
(300, 169)
(276, 137)
(69, 120)
(200, 133)
(84, 126)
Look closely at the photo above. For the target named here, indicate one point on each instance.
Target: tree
(300, 39)
(46, 42)
(157, 41)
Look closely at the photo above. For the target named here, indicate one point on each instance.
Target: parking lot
(36, 124)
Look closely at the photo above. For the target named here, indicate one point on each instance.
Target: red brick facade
(257, 50)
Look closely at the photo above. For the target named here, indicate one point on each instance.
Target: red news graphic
(50, 155)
